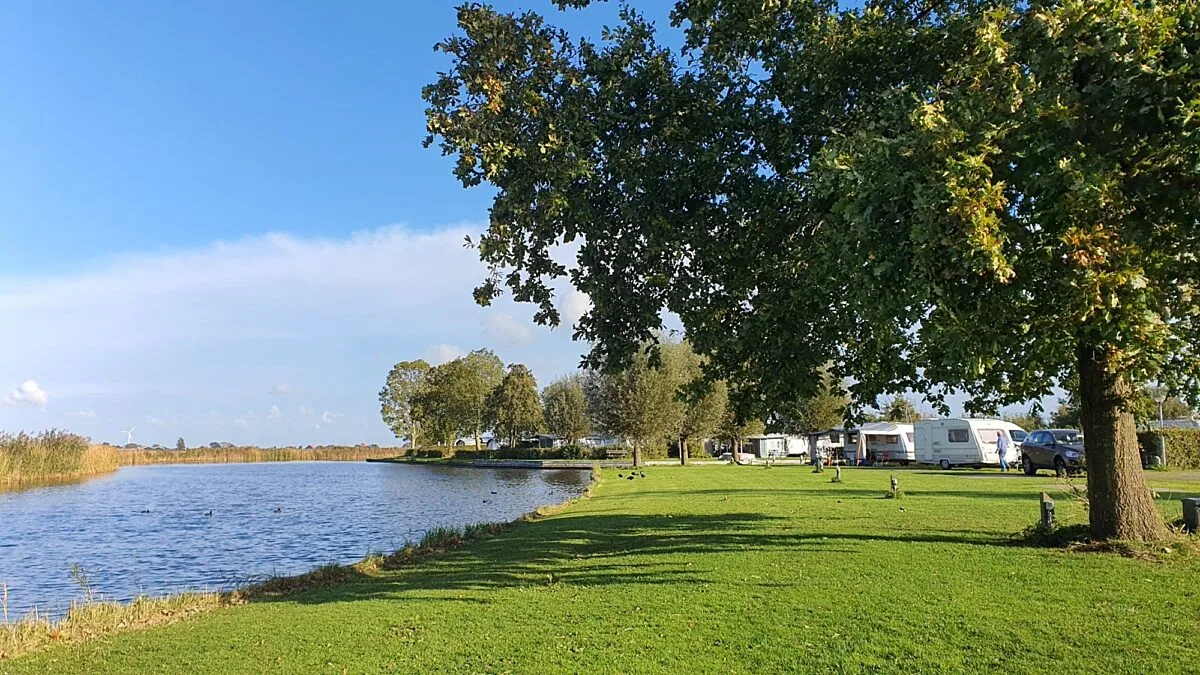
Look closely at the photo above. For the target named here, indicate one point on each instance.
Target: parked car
(1057, 449)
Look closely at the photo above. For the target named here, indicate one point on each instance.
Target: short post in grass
(1047, 512)
(895, 492)
(837, 478)
(819, 464)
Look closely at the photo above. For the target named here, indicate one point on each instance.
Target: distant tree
(900, 410)
(1145, 408)
(434, 407)
(637, 403)
(453, 399)
(735, 431)
(214, 444)
(481, 372)
(180, 444)
(514, 409)
(825, 408)
(566, 408)
(1066, 415)
(396, 398)
(703, 403)
(1028, 421)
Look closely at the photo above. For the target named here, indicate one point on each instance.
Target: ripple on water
(269, 518)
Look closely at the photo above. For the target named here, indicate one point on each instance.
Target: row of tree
(655, 400)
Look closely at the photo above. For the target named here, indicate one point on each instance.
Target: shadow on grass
(835, 492)
(599, 550)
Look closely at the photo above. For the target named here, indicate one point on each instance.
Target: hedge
(1183, 447)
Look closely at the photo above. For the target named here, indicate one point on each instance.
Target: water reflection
(148, 529)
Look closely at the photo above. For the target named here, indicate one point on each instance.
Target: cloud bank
(195, 337)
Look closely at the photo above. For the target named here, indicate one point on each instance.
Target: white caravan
(963, 442)
(888, 442)
(779, 445)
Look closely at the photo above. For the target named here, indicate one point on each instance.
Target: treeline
(659, 398)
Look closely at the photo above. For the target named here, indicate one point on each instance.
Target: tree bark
(1119, 503)
(637, 454)
(683, 451)
(477, 445)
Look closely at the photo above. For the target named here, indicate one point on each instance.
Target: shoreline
(236, 455)
(87, 620)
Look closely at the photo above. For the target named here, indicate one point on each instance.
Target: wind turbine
(128, 434)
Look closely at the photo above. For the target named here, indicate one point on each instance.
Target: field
(729, 569)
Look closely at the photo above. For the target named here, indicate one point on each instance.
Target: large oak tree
(930, 195)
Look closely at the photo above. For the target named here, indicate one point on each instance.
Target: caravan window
(956, 435)
(989, 435)
(891, 440)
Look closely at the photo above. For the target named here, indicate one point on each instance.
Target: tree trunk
(412, 430)
(637, 454)
(477, 443)
(1119, 503)
(683, 451)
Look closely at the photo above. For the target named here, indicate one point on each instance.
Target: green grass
(722, 569)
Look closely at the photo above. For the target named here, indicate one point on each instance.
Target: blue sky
(217, 219)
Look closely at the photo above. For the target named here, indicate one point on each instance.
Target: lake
(146, 529)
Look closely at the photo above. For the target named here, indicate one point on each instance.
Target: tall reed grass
(340, 453)
(51, 456)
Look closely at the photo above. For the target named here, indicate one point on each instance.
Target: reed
(51, 456)
(340, 453)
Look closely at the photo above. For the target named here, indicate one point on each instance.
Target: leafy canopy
(927, 195)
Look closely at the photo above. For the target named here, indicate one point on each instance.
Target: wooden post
(1047, 511)
(895, 485)
(838, 468)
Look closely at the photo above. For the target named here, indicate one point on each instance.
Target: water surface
(147, 530)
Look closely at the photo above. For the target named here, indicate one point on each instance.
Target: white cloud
(329, 417)
(304, 412)
(85, 414)
(215, 327)
(27, 393)
(505, 330)
(241, 423)
(154, 421)
(573, 307)
(274, 414)
(439, 354)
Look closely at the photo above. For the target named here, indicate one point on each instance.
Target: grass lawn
(723, 569)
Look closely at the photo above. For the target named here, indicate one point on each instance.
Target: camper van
(963, 442)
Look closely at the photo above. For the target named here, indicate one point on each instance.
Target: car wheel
(1027, 467)
(945, 464)
(1060, 467)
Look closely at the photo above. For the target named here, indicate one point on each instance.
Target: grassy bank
(721, 569)
(252, 454)
(51, 456)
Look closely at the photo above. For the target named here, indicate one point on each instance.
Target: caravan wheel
(945, 464)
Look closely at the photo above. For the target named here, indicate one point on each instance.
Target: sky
(217, 220)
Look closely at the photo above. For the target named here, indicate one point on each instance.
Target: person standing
(1002, 450)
